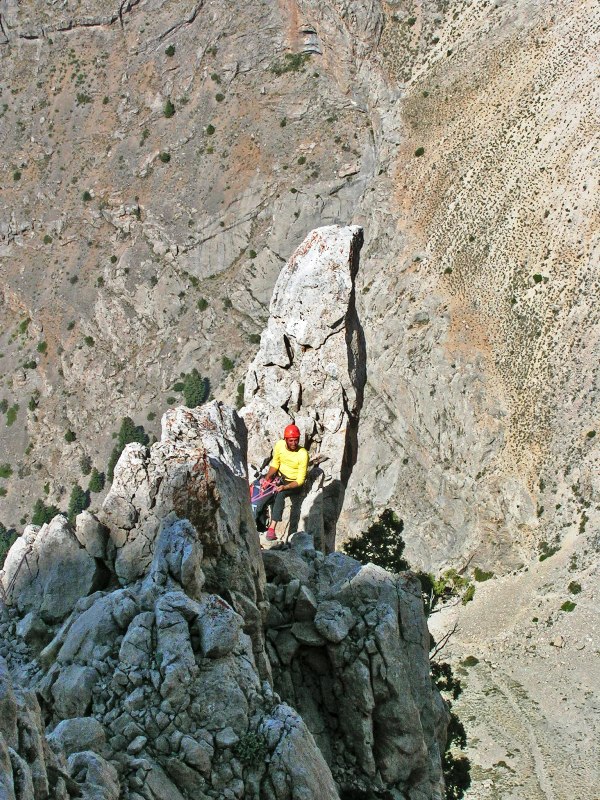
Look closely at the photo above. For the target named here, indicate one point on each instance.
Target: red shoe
(270, 535)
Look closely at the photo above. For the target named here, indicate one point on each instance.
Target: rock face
(157, 685)
(349, 649)
(311, 369)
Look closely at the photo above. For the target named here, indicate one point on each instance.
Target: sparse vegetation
(568, 605)
(168, 109)
(164, 157)
(546, 550)
(227, 364)
(70, 436)
(574, 587)
(86, 196)
(7, 538)
(42, 347)
(85, 465)
(420, 151)
(170, 51)
(11, 414)
(251, 749)
(292, 62)
(480, 575)
(5, 470)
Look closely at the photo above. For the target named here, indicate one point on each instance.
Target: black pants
(279, 502)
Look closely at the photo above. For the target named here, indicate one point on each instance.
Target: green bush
(537, 278)
(3, 406)
(380, 544)
(168, 109)
(254, 338)
(78, 501)
(42, 347)
(227, 364)
(302, 160)
(546, 550)
(85, 465)
(481, 576)
(86, 196)
(47, 239)
(17, 175)
(202, 304)
(292, 62)
(43, 513)
(219, 97)
(170, 51)
(195, 389)
(23, 325)
(5, 470)
(568, 605)
(70, 436)
(420, 151)
(11, 414)
(574, 587)
(210, 129)
(251, 749)
(89, 340)
(128, 432)
(164, 157)
(97, 481)
(7, 539)
(239, 398)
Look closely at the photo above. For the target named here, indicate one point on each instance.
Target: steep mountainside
(163, 159)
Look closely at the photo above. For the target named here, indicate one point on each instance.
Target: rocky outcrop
(349, 647)
(157, 686)
(311, 369)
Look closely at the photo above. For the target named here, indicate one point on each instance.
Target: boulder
(78, 733)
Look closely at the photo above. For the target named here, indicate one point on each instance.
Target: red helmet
(291, 432)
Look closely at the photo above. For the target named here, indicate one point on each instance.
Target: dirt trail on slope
(530, 674)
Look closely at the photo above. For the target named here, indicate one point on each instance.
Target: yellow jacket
(291, 464)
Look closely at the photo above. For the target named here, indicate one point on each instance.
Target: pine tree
(78, 501)
(128, 432)
(195, 389)
(97, 481)
(380, 544)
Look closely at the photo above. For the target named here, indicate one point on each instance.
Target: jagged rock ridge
(162, 675)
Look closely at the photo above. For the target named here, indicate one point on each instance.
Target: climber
(289, 462)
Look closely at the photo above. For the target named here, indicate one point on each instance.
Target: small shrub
(214, 77)
(251, 749)
(168, 109)
(210, 129)
(537, 278)
(283, 122)
(3, 406)
(254, 338)
(86, 196)
(105, 100)
(470, 661)
(42, 347)
(591, 434)
(165, 157)
(83, 98)
(30, 364)
(574, 587)
(113, 259)
(151, 416)
(227, 304)
(17, 175)
(420, 151)
(70, 436)
(481, 576)
(47, 239)
(227, 364)
(23, 325)
(411, 21)
(252, 254)
(11, 414)
(302, 160)
(89, 340)
(546, 550)
(170, 51)
(71, 325)
(5, 470)
(34, 401)
(568, 605)
(219, 97)
(100, 281)
(239, 398)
